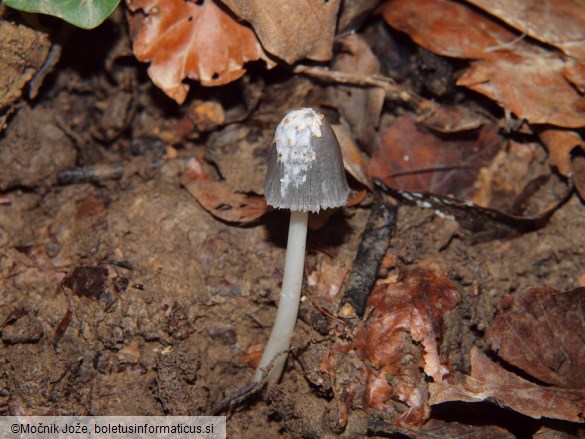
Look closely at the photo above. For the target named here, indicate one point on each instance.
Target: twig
(392, 90)
(373, 247)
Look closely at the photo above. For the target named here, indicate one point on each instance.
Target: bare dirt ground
(121, 294)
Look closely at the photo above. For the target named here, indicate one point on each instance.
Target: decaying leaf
(531, 85)
(538, 331)
(448, 118)
(196, 40)
(560, 144)
(361, 107)
(219, 200)
(354, 160)
(412, 159)
(291, 30)
(446, 27)
(561, 24)
(399, 339)
(565, 152)
(490, 382)
(541, 331)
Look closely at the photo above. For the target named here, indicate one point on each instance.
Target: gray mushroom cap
(305, 169)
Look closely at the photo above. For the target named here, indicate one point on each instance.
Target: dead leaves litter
(538, 331)
(399, 339)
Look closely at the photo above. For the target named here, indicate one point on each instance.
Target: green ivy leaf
(86, 14)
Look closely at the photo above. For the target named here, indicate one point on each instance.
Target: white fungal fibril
(294, 146)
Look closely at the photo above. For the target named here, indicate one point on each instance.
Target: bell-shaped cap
(305, 169)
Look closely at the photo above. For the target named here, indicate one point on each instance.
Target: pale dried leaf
(291, 30)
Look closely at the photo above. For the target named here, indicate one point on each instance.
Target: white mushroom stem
(288, 306)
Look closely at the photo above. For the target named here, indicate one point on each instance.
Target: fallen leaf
(445, 27)
(560, 144)
(399, 339)
(219, 200)
(574, 72)
(354, 160)
(561, 24)
(197, 40)
(490, 382)
(361, 107)
(411, 159)
(448, 118)
(531, 85)
(291, 30)
(540, 331)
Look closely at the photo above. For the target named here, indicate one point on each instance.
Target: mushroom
(305, 174)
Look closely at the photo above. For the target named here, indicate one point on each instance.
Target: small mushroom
(305, 174)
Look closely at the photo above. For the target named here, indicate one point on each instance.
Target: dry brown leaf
(522, 77)
(445, 27)
(354, 161)
(559, 23)
(220, 201)
(574, 72)
(291, 30)
(560, 143)
(411, 159)
(361, 107)
(448, 118)
(197, 40)
(399, 338)
(490, 382)
(531, 85)
(353, 13)
(542, 332)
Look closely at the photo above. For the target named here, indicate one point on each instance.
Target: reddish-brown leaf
(574, 72)
(184, 39)
(560, 144)
(414, 160)
(291, 30)
(542, 332)
(446, 27)
(399, 338)
(354, 160)
(488, 381)
(531, 85)
(559, 23)
(218, 199)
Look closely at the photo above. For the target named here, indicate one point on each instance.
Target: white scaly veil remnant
(294, 147)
